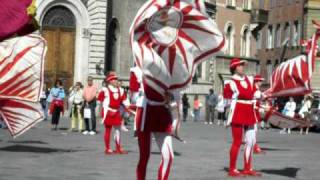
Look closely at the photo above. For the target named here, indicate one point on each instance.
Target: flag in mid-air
(292, 77)
(21, 81)
(169, 38)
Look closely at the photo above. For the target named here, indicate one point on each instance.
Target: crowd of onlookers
(216, 110)
(80, 106)
(213, 112)
(79, 103)
(303, 112)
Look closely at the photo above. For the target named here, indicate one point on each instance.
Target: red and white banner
(292, 77)
(169, 38)
(21, 81)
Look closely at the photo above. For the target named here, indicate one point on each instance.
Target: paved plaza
(41, 154)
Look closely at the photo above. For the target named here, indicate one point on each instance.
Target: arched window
(287, 31)
(229, 39)
(247, 4)
(230, 2)
(245, 42)
(259, 40)
(59, 16)
(261, 4)
(269, 70)
(270, 37)
(295, 39)
(276, 62)
(278, 36)
(258, 70)
(113, 45)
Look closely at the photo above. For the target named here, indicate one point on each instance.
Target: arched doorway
(58, 28)
(113, 45)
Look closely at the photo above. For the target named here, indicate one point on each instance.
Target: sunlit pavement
(42, 154)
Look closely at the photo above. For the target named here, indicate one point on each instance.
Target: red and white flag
(292, 77)
(169, 38)
(21, 81)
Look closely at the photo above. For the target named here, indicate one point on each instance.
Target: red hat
(112, 76)
(236, 62)
(258, 78)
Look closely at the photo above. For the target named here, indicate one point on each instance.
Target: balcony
(259, 16)
(211, 8)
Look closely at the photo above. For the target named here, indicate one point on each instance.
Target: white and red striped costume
(112, 98)
(154, 116)
(242, 119)
(169, 38)
(241, 91)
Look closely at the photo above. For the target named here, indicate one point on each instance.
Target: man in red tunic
(155, 116)
(240, 91)
(112, 97)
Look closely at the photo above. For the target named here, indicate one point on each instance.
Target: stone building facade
(234, 19)
(312, 12)
(91, 37)
(94, 39)
(278, 38)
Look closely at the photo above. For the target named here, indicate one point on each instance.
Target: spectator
(196, 108)
(76, 101)
(48, 102)
(185, 107)
(43, 102)
(288, 110)
(56, 107)
(221, 110)
(89, 95)
(305, 112)
(211, 102)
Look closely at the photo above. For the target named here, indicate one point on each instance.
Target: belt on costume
(111, 109)
(156, 103)
(244, 101)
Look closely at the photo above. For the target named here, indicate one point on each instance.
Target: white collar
(237, 77)
(113, 88)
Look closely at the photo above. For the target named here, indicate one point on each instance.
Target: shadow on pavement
(35, 149)
(175, 153)
(28, 142)
(274, 149)
(290, 172)
(263, 142)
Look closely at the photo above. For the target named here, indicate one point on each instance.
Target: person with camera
(57, 95)
(76, 101)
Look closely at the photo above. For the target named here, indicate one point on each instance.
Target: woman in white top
(289, 110)
(304, 111)
(221, 109)
(76, 101)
